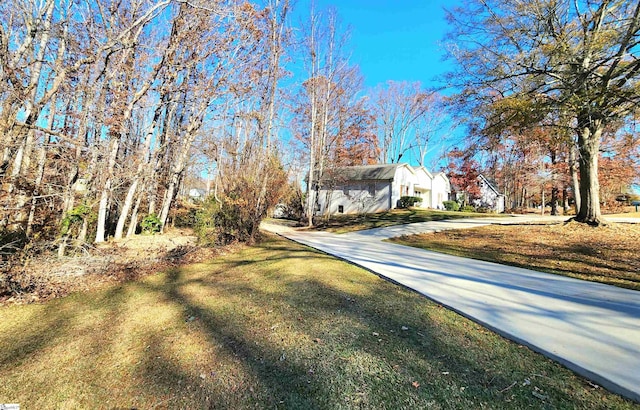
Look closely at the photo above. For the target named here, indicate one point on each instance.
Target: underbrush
(36, 273)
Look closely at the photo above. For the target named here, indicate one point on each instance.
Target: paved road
(593, 329)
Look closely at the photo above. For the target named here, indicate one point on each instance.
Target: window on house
(340, 209)
(372, 189)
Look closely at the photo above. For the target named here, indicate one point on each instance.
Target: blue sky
(393, 40)
(397, 40)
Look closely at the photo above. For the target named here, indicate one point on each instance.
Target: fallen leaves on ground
(46, 276)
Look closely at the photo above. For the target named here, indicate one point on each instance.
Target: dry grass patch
(272, 326)
(606, 254)
(629, 212)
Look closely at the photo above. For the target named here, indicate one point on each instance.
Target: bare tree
(408, 118)
(326, 101)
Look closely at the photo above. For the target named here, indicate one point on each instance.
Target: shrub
(235, 212)
(451, 205)
(151, 224)
(74, 218)
(291, 205)
(468, 208)
(407, 201)
(184, 213)
(226, 221)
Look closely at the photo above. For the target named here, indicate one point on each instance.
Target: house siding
(356, 197)
(402, 181)
(423, 187)
(440, 191)
(489, 197)
(378, 195)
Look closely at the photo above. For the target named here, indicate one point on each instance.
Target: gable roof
(490, 184)
(426, 171)
(384, 172)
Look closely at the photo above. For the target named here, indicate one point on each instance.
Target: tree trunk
(169, 196)
(106, 191)
(177, 170)
(589, 147)
(42, 159)
(554, 200)
(573, 169)
(134, 217)
(144, 157)
(124, 213)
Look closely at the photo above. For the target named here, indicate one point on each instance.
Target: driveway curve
(592, 328)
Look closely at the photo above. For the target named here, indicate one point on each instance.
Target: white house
(490, 197)
(377, 188)
(197, 194)
(440, 190)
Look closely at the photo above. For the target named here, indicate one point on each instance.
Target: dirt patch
(46, 276)
(606, 254)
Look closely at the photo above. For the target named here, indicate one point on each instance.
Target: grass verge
(272, 326)
(606, 254)
(350, 223)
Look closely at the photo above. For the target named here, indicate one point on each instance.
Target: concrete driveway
(591, 328)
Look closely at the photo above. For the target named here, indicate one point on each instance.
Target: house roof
(491, 184)
(426, 171)
(384, 172)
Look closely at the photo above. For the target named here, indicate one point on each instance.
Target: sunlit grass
(606, 254)
(273, 326)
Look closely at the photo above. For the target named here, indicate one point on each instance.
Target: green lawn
(358, 222)
(272, 326)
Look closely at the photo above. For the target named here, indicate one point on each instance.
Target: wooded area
(104, 103)
(551, 84)
(108, 107)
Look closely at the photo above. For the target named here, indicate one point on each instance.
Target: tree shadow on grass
(287, 339)
(351, 352)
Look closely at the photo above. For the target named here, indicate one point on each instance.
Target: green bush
(231, 218)
(73, 218)
(451, 205)
(408, 201)
(151, 224)
(468, 208)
